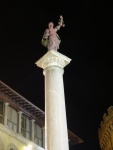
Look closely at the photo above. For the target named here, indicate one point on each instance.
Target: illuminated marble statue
(50, 39)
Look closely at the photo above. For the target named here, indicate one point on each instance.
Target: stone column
(19, 122)
(5, 113)
(56, 136)
(43, 137)
(32, 129)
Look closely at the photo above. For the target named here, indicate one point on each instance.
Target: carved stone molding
(52, 58)
(106, 128)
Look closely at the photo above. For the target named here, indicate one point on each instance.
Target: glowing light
(29, 147)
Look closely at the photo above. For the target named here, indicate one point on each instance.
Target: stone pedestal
(56, 136)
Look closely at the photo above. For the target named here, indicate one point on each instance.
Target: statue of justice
(51, 39)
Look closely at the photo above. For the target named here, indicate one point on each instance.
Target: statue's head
(51, 25)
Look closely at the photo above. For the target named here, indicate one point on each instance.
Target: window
(25, 126)
(12, 118)
(1, 112)
(38, 134)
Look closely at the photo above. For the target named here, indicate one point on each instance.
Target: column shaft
(19, 122)
(43, 130)
(55, 124)
(5, 113)
(32, 129)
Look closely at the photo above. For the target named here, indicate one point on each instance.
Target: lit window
(25, 126)
(12, 119)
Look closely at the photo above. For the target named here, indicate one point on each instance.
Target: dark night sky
(87, 39)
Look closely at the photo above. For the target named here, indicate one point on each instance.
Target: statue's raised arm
(50, 39)
(61, 21)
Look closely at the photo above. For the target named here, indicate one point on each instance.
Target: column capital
(53, 58)
(20, 112)
(6, 104)
(32, 120)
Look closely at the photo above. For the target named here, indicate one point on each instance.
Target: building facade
(22, 123)
(105, 131)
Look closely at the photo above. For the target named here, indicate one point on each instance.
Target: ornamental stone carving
(105, 131)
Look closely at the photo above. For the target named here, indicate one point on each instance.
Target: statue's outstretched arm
(60, 23)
